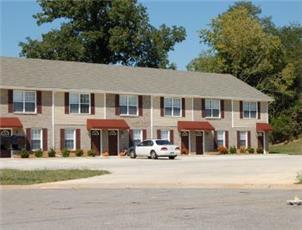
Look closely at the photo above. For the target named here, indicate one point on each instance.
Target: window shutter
(203, 112)
(140, 105)
(158, 134)
(227, 139)
(10, 100)
(78, 139)
(172, 136)
(28, 139)
(39, 102)
(222, 108)
(259, 110)
(117, 104)
(249, 139)
(130, 137)
(144, 134)
(92, 104)
(66, 102)
(161, 106)
(238, 139)
(183, 103)
(215, 140)
(45, 139)
(62, 138)
(241, 110)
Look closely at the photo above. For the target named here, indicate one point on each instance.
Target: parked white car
(154, 148)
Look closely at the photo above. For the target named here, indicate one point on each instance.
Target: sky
(17, 22)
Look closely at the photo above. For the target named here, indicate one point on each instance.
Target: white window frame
(249, 109)
(41, 138)
(211, 108)
(141, 134)
(74, 138)
(246, 138)
(79, 100)
(128, 105)
(23, 101)
(223, 135)
(172, 106)
(161, 134)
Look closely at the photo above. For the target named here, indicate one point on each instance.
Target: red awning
(194, 125)
(263, 127)
(10, 122)
(107, 124)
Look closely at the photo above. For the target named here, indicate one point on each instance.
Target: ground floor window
(36, 139)
(165, 135)
(243, 139)
(137, 136)
(69, 139)
(220, 138)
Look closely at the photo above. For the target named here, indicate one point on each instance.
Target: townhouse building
(57, 104)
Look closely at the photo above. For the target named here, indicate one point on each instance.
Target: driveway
(187, 172)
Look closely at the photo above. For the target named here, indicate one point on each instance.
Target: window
(79, 103)
(36, 139)
(249, 109)
(137, 136)
(24, 101)
(212, 108)
(69, 139)
(243, 139)
(220, 138)
(165, 135)
(129, 105)
(172, 106)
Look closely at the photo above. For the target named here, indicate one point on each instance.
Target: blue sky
(17, 22)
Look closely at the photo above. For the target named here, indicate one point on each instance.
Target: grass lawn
(25, 177)
(294, 147)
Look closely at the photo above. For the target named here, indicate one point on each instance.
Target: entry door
(184, 142)
(96, 141)
(112, 142)
(260, 137)
(199, 143)
(5, 141)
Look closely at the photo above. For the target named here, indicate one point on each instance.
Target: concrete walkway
(244, 171)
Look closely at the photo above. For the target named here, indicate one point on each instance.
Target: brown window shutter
(158, 134)
(259, 110)
(215, 140)
(28, 139)
(45, 139)
(144, 134)
(117, 104)
(39, 102)
(203, 107)
(66, 102)
(227, 139)
(241, 109)
(78, 139)
(10, 100)
(161, 106)
(92, 104)
(249, 139)
(222, 108)
(140, 105)
(172, 136)
(238, 139)
(62, 138)
(130, 137)
(183, 103)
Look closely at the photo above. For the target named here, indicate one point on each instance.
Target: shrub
(242, 150)
(222, 150)
(259, 150)
(91, 153)
(251, 150)
(233, 149)
(65, 153)
(24, 153)
(51, 153)
(38, 153)
(79, 152)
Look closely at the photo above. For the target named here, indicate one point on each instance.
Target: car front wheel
(153, 155)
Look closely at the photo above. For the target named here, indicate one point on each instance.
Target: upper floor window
(220, 138)
(69, 139)
(249, 109)
(24, 101)
(172, 106)
(36, 139)
(79, 103)
(137, 136)
(128, 105)
(212, 108)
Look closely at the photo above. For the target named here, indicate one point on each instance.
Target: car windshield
(162, 142)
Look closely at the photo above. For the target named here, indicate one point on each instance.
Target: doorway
(96, 141)
(5, 141)
(112, 142)
(184, 142)
(199, 143)
(260, 137)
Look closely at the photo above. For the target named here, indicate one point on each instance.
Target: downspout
(53, 118)
(151, 117)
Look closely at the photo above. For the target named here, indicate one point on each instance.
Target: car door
(139, 150)
(148, 148)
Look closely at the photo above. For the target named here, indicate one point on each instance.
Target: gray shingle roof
(63, 75)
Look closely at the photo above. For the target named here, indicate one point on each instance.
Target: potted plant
(91, 153)
(242, 150)
(123, 153)
(222, 150)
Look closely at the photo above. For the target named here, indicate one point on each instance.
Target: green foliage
(38, 153)
(259, 150)
(65, 153)
(102, 32)
(79, 152)
(91, 153)
(24, 153)
(251, 150)
(51, 153)
(233, 149)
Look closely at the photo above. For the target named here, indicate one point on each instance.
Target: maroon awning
(263, 127)
(10, 122)
(194, 125)
(107, 124)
